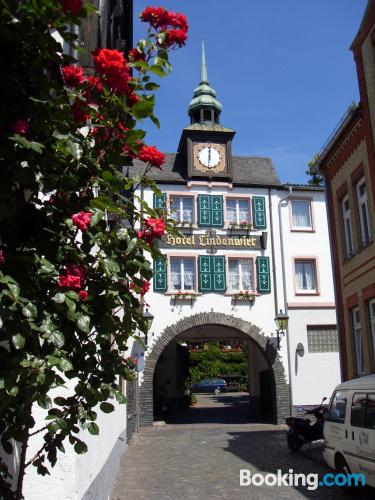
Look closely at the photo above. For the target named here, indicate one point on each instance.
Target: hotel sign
(210, 241)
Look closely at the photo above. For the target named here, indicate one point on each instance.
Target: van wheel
(342, 467)
(217, 391)
(294, 443)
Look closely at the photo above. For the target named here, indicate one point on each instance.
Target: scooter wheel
(294, 442)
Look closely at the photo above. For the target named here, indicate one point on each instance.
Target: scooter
(301, 431)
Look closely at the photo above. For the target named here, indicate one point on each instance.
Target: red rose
(82, 220)
(73, 6)
(175, 37)
(149, 154)
(72, 75)
(74, 277)
(112, 65)
(83, 295)
(20, 127)
(158, 17)
(154, 228)
(94, 83)
(143, 289)
(136, 55)
(2, 258)
(180, 21)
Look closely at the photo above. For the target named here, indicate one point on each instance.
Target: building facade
(347, 163)
(249, 247)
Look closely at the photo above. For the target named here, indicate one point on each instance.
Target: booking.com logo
(291, 478)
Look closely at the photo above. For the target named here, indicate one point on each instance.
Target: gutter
(290, 189)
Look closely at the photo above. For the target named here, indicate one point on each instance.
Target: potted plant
(193, 399)
(244, 295)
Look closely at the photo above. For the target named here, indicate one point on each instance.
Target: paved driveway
(202, 460)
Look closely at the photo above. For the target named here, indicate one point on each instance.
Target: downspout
(275, 296)
(285, 295)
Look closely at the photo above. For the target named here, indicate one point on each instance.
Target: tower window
(207, 115)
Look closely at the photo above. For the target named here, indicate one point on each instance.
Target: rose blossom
(72, 75)
(154, 228)
(83, 294)
(149, 154)
(73, 6)
(20, 127)
(82, 220)
(112, 65)
(175, 37)
(143, 289)
(74, 277)
(136, 55)
(158, 17)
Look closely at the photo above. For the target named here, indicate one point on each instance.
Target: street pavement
(201, 459)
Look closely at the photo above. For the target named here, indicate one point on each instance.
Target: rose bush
(74, 236)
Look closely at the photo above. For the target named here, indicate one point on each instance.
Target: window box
(180, 295)
(244, 295)
(242, 226)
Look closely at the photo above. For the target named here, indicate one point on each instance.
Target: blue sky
(282, 70)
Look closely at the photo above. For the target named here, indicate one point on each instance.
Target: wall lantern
(281, 321)
(148, 319)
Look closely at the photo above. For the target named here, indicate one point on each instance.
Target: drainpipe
(285, 295)
(275, 295)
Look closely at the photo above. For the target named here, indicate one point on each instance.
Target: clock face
(209, 157)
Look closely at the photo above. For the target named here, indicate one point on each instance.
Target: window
(358, 341)
(238, 210)
(305, 276)
(363, 211)
(241, 274)
(337, 408)
(363, 410)
(371, 307)
(301, 215)
(347, 226)
(181, 208)
(322, 339)
(182, 273)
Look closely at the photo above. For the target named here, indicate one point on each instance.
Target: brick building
(347, 162)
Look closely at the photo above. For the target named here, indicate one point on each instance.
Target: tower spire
(204, 107)
(204, 76)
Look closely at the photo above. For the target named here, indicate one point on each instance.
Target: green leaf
(80, 447)
(120, 397)
(57, 338)
(15, 289)
(46, 267)
(59, 298)
(71, 304)
(41, 378)
(53, 360)
(30, 311)
(98, 216)
(84, 323)
(143, 108)
(106, 407)
(71, 294)
(151, 86)
(65, 365)
(18, 341)
(111, 266)
(93, 428)
(157, 70)
(23, 142)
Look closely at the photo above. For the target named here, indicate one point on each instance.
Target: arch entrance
(267, 382)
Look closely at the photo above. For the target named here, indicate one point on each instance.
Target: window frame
(229, 291)
(299, 229)
(314, 260)
(194, 207)
(310, 328)
(362, 201)
(347, 226)
(367, 394)
(227, 223)
(356, 327)
(338, 420)
(371, 307)
(194, 257)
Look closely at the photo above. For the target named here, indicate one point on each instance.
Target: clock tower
(205, 143)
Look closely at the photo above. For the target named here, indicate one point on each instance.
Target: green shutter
(204, 210)
(159, 200)
(205, 273)
(160, 274)
(218, 266)
(217, 211)
(264, 276)
(259, 212)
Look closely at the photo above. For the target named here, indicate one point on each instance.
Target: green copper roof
(204, 95)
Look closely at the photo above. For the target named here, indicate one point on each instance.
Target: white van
(349, 429)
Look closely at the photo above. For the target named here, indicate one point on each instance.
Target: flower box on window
(184, 296)
(244, 295)
(244, 225)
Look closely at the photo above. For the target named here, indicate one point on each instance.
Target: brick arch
(280, 390)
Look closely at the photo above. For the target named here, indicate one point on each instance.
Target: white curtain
(231, 210)
(176, 274)
(240, 274)
(187, 209)
(244, 214)
(247, 274)
(234, 275)
(301, 213)
(305, 276)
(188, 265)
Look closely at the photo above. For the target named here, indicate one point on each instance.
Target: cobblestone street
(202, 461)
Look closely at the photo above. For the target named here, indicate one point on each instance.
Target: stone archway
(280, 389)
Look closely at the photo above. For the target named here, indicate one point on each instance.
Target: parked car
(215, 385)
(349, 429)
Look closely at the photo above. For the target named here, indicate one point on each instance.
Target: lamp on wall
(281, 321)
(148, 319)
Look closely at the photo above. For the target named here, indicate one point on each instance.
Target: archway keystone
(280, 389)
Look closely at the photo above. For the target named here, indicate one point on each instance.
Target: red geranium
(72, 75)
(2, 258)
(20, 127)
(82, 220)
(74, 277)
(149, 154)
(175, 37)
(74, 6)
